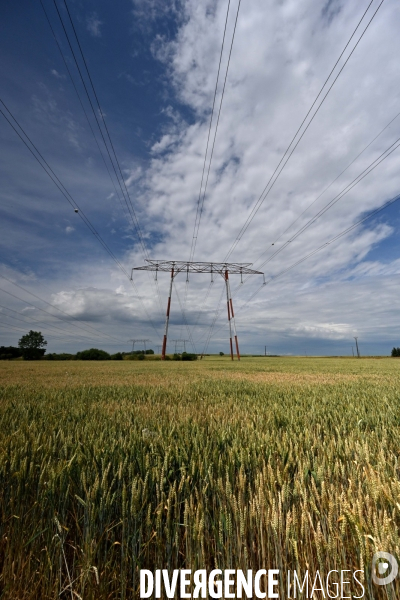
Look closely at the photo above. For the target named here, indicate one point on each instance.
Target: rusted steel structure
(224, 269)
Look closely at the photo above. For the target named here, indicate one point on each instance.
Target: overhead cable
(49, 171)
(290, 150)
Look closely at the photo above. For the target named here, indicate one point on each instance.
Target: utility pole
(265, 350)
(358, 351)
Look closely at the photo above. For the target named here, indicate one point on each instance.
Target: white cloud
(57, 74)
(93, 25)
(281, 56)
(69, 229)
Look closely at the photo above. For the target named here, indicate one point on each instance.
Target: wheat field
(107, 468)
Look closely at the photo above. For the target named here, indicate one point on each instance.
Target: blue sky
(154, 67)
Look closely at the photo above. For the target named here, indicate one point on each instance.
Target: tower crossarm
(197, 267)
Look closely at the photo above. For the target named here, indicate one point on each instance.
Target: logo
(381, 575)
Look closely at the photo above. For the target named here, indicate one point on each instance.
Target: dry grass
(106, 468)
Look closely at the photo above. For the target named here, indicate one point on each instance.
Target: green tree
(32, 345)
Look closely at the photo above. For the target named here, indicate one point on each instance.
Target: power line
(89, 335)
(49, 171)
(204, 303)
(215, 135)
(105, 125)
(56, 308)
(200, 204)
(334, 180)
(375, 163)
(212, 326)
(185, 320)
(7, 325)
(278, 170)
(127, 198)
(31, 319)
(321, 247)
(209, 129)
(131, 210)
(200, 201)
(81, 103)
(325, 244)
(43, 310)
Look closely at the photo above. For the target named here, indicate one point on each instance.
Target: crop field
(107, 468)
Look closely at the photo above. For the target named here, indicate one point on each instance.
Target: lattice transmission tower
(224, 269)
(139, 341)
(180, 342)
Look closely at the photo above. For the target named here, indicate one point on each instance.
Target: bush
(62, 356)
(8, 352)
(117, 356)
(93, 354)
(135, 356)
(188, 356)
(185, 356)
(222, 354)
(396, 352)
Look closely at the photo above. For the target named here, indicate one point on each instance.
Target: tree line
(32, 346)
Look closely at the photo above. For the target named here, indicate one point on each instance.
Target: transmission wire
(126, 197)
(266, 191)
(48, 170)
(143, 244)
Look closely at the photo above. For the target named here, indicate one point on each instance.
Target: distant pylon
(136, 342)
(182, 342)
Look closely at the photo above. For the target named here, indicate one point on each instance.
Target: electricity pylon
(223, 269)
(181, 341)
(136, 342)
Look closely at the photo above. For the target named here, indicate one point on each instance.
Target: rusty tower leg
(229, 312)
(233, 318)
(164, 344)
